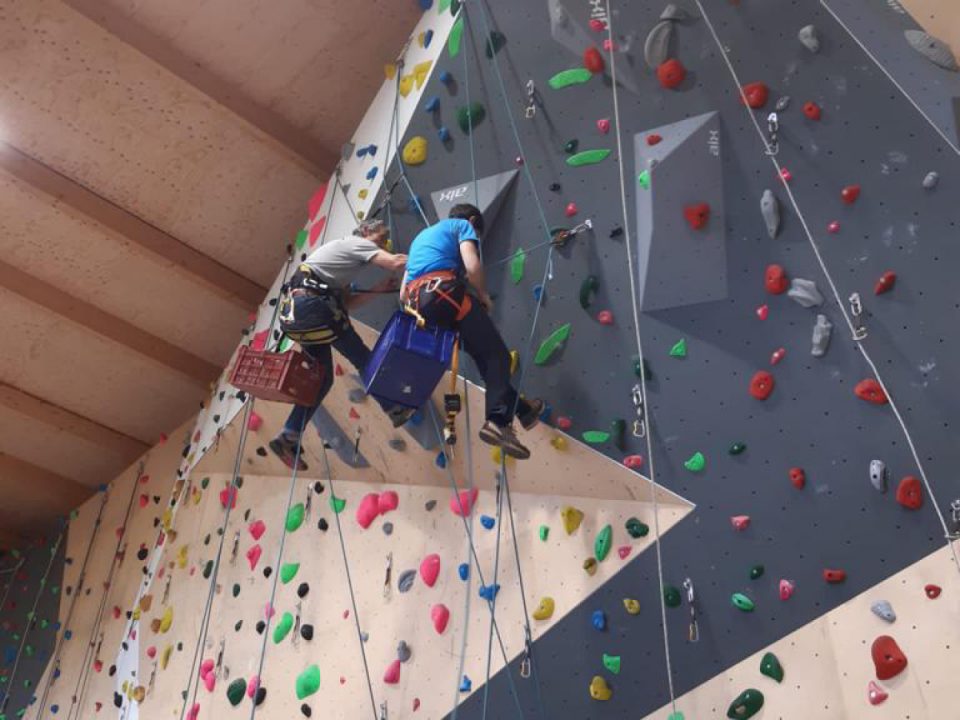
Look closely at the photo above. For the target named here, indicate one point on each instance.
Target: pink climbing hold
(571, 209)
(740, 522)
(353, 414)
(849, 194)
(368, 510)
(876, 694)
(763, 311)
(338, 370)
(391, 675)
(152, 651)
(430, 569)
(256, 529)
(229, 496)
(634, 462)
(259, 342)
(777, 355)
(671, 74)
(603, 125)
(316, 201)
(624, 551)
(144, 500)
(193, 713)
(210, 681)
(268, 611)
(786, 589)
(597, 25)
(388, 501)
(206, 667)
(834, 227)
(564, 423)
(440, 616)
(253, 686)
(416, 704)
(518, 160)
(786, 175)
(255, 422)
(608, 45)
(253, 556)
(462, 503)
(605, 317)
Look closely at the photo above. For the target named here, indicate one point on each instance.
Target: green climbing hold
(308, 682)
(574, 76)
(771, 667)
(636, 529)
(470, 116)
(44, 624)
(553, 342)
(442, 6)
(517, 264)
(742, 602)
(544, 533)
(671, 596)
(756, 572)
(456, 35)
(337, 504)
(612, 663)
(495, 43)
(204, 483)
(208, 569)
(288, 571)
(587, 288)
(236, 691)
(601, 546)
(675, 716)
(696, 462)
(455, 7)
(595, 437)
(74, 514)
(618, 431)
(283, 628)
(295, 517)
(644, 179)
(301, 239)
(236, 589)
(679, 350)
(737, 448)
(285, 344)
(55, 590)
(746, 705)
(588, 157)
(641, 368)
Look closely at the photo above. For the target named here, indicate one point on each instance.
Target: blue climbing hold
(464, 571)
(465, 684)
(443, 133)
(102, 487)
(54, 709)
(414, 205)
(56, 673)
(432, 105)
(9, 654)
(488, 522)
(446, 77)
(489, 592)
(441, 460)
(68, 634)
(426, 4)
(427, 37)
(599, 620)
(537, 292)
(417, 419)
(545, 415)
(372, 173)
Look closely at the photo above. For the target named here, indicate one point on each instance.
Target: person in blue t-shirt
(444, 260)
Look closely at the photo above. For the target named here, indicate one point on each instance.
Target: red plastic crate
(290, 377)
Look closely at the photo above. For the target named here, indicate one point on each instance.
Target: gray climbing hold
(933, 49)
(364, 636)
(672, 12)
(770, 209)
(405, 582)
(356, 396)
(878, 475)
(805, 292)
(810, 39)
(403, 651)
(656, 49)
(821, 336)
(388, 528)
(397, 443)
(931, 180)
(884, 610)
(429, 505)
(783, 103)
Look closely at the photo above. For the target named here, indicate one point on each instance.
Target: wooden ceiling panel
(34, 496)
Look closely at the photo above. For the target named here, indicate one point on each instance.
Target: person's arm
(473, 266)
(389, 261)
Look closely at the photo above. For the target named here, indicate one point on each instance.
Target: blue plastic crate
(407, 362)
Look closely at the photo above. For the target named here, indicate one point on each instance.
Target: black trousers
(482, 342)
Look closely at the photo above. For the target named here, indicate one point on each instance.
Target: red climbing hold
(671, 73)
(761, 385)
(564, 423)
(316, 202)
(697, 215)
(740, 522)
(144, 500)
(888, 658)
(850, 194)
(756, 94)
(634, 462)
(338, 370)
(597, 25)
(871, 391)
(354, 415)
(786, 589)
(440, 616)
(932, 591)
(608, 45)
(391, 675)
(462, 503)
(910, 493)
(368, 510)
(833, 228)
(593, 60)
(388, 501)
(812, 111)
(430, 569)
(798, 478)
(786, 175)
(624, 551)
(834, 576)
(416, 704)
(228, 496)
(603, 125)
(571, 210)
(763, 311)
(605, 317)
(256, 529)
(654, 139)
(885, 283)
(775, 280)
(98, 665)
(253, 556)
(777, 355)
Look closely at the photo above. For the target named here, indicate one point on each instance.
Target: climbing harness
(693, 630)
(856, 312)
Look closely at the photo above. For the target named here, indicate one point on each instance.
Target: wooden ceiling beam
(33, 496)
(221, 279)
(126, 447)
(107, 325)
(318, 159)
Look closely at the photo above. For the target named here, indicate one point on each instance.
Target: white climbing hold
(884, 610)
(810, 39)
(933, 49)
(805, 292)
(770, 209)
(656, 48)
(821, 336)
(931, 180)
(878, 475)
(783, 103)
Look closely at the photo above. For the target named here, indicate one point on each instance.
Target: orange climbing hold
(671, 73)
(756, 94)
(761, 385)
(910, 493)
(871, 391)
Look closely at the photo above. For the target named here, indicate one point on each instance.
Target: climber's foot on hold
(400, 415)
(530, 419)
(285, 448)
(505, 438)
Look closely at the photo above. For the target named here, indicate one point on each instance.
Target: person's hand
(487, 302)
(388, 284)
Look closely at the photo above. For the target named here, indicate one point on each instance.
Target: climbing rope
(655, 488)
(857, 338)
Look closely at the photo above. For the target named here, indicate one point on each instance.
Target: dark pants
(481, 340)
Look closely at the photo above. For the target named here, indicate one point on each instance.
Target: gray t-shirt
(338, 262)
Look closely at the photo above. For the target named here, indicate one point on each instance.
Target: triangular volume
(488, 196)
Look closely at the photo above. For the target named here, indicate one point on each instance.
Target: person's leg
(286, 444)
(481, 340)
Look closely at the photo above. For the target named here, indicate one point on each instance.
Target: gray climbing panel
(488, 195)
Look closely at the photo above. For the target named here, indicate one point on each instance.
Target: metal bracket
(236, 548)
(639, 423)
(530, 111)
(773, 128)
(525, 663)
(693, 631)
(856, 310)
(383, 710)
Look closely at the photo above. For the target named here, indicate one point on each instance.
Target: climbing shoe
(400, 415)
(531, 418)
(505, 438)
(286, 449)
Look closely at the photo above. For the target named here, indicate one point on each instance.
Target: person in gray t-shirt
(313, 311)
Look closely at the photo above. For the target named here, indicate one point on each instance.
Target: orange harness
(432, 281)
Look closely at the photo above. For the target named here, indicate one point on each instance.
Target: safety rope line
(399, 157)
(496, 589)
(858, 340)
(655, 488)
(65, 627)
(31, 621)
(78, 693)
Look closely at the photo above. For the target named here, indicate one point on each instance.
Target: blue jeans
(348, 344)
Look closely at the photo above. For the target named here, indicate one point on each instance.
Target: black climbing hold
(303, 590)
(636, 529)
(616, 232)
(671, 596)
(306, 632)
(643, 368)
(118, 699)
(261, 695)
(555, 187)
(236, 628)
(236, 589)
(495, 43)
(241, 395)
(142, 554)
(571, 146)
(113, 670)
(322, 524)
(239, 482)
(267, 571)
(318, 487)
(261, 451)
(305, 709)
(206, 540)
(216, 418)
(430, 505)
(179, 647)
(261, 626)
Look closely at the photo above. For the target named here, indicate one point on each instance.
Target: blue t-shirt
(438, 248)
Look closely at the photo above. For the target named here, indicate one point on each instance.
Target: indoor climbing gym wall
(718, 238)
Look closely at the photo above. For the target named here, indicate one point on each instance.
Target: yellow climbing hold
(390, 71)
(496, 455)
(165, 656)
(136, 614)
(362, 193)
(599, 690)
(196, 496)
(559, 442)
(139, 693)
(631, 606)
(167, 519)
(421, 71)
(514, 361)
(167, 620)
(590, 566)
(182, 556)
(571, 518)
(415, 151)
(406, 85)
(544, 610)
